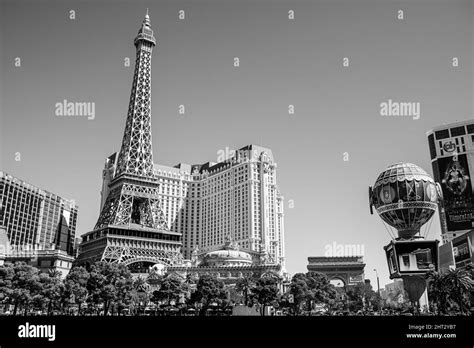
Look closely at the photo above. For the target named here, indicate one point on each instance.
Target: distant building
(229, 264)
(40, 225)
(394, 293)
(4, 245)
(341, 270)
(44, 260)
(457, 253)
(107, 175)
(452, 158)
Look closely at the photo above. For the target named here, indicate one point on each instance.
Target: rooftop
(451, 125)
(336, 260)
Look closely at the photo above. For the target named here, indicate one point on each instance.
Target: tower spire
(146, 21)
(136, 155)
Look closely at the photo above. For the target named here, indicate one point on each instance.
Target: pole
(378, 291)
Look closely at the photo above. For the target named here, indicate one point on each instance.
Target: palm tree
(460, 284)
(438, 290)
(154, 278)
(190, 279)
(454, 285)
(244, 286)
(142, 291)
(54, 273)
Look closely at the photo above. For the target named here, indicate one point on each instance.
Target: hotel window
(442, 134)
(457, 131)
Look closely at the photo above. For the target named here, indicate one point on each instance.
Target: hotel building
(37, 222)
(207, 203)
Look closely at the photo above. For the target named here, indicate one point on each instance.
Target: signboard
(457, 192)
(392, 261)
(462, 249)
(412, 257)
(446, 257)
(355, 279)
(449, 146)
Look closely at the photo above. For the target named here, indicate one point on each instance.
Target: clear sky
(282, 62)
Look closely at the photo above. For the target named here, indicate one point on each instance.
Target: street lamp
(378, 283)
(378, 290)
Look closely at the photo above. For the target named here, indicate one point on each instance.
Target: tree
(190, 279)
(299, 291)
(309, 288)
(362, 297)
(244, 287)
(107, 282)
(171, 289)
(126, 294)
(321, 291)
(208, 290)
(460, 284)
(140, 293)
(356, 295)
(6, 283)
(75, 287)
(438, 291)
(51, 289)
(235, 296)
(452, 287)
(265, 292)
(19, 284)
(154, 278)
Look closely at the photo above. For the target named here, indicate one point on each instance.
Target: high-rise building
(4, 245)
(39, 225)
(236, 197)
(107, 175)
(35, 218)
(452, 158)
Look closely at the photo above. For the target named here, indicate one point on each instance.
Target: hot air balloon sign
(406, 198)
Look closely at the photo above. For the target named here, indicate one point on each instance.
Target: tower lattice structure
(131, 228)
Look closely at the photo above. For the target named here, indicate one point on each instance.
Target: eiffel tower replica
(131, 228)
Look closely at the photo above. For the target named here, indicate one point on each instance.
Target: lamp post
(378, 282)
(378, 290)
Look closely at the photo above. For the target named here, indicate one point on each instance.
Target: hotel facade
(40, 226)
(208, 203)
